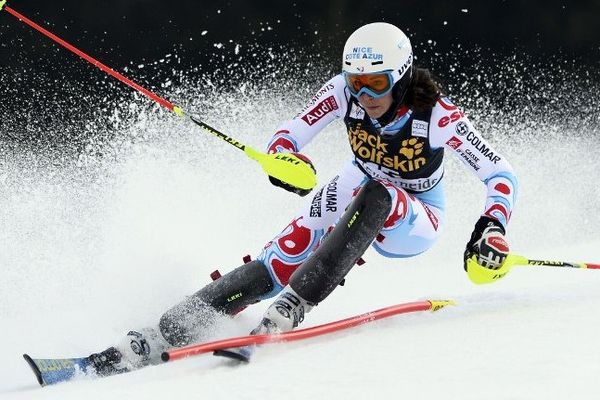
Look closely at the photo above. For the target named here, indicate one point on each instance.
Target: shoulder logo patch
(420, 128)
(462, 128)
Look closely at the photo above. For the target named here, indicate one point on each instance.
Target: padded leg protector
(239, 288)
(325, 268)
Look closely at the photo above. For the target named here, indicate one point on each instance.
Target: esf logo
(448, 119)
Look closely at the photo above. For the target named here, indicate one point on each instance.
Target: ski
(49, 371)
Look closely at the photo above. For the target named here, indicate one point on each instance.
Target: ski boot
(285, 314)
(136, 350)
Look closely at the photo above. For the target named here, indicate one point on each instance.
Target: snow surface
(92, 249)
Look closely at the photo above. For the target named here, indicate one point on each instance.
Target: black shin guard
(324, 269)
(239, 288)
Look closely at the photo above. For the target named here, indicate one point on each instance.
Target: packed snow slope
(101, 239)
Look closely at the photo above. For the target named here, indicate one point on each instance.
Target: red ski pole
(287, 167)
(93, 61)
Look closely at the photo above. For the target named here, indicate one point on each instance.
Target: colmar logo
(320, 110)
(454, 142)
(483, 148)
(331, 195)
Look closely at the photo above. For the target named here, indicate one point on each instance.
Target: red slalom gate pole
(432, 305)
(95, 62)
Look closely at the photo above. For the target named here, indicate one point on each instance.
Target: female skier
(390, 195)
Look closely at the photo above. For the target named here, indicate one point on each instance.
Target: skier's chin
(375, 111)
(376, 107)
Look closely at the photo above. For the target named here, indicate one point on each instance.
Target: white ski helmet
(378, 48)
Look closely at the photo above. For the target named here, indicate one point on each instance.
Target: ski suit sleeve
(328, 104)
(453, 130)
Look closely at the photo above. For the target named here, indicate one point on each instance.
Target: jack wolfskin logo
(373, 148)
(411, 148)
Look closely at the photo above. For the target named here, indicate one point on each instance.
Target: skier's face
(376, 107)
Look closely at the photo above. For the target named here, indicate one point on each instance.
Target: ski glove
(291, 188)
(487, 243)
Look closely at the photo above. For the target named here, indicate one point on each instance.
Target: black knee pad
(324, 269)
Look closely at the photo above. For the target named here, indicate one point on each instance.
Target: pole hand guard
(286, 167)
(479, 274)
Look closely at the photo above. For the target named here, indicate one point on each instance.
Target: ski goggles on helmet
(375, 85)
